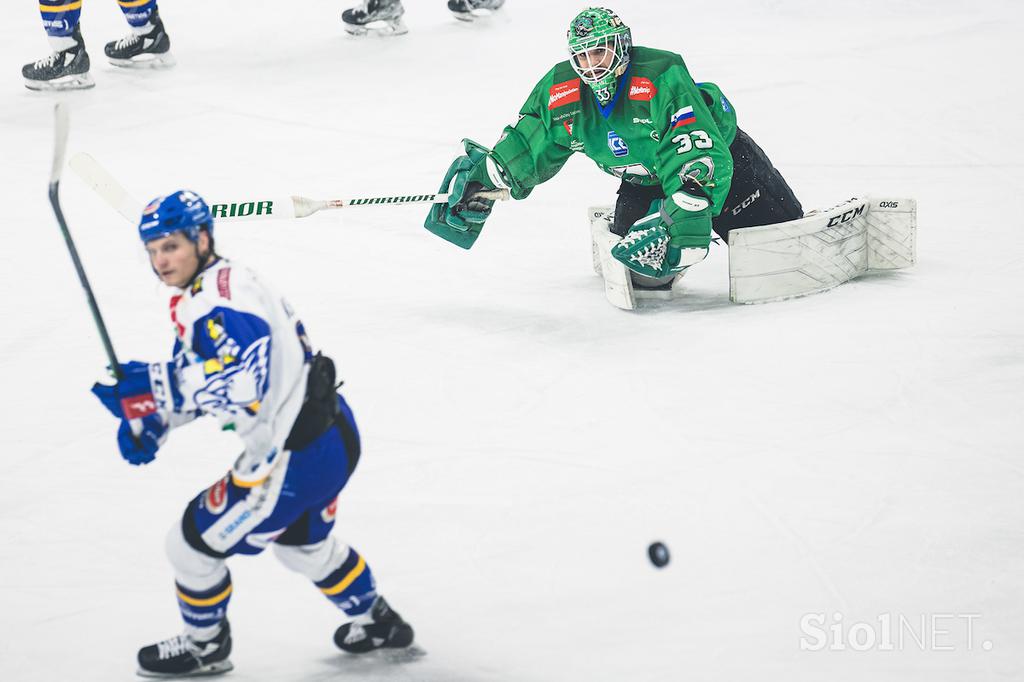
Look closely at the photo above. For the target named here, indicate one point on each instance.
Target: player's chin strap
(205, 261)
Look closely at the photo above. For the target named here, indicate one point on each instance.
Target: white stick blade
(62, 125)
(104, 184)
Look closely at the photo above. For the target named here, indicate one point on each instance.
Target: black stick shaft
(94, 308)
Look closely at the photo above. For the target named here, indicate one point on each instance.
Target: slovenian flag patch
(683, 117)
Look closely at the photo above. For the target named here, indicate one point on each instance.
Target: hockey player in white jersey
(242, 356)
(384, 17)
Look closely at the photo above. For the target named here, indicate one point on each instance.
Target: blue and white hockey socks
(351, 586)
(60, 18)
(137, 13)
(203, 610)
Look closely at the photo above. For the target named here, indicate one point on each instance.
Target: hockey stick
(60, 147)
(111, 191)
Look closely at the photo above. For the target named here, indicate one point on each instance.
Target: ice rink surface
(857, 452)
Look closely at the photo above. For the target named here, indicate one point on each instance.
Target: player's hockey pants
(759, 195)
(293, 509)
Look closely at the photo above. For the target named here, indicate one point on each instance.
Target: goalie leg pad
(618, 285)
(822, 250)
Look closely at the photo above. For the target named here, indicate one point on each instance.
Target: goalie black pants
(759, 195)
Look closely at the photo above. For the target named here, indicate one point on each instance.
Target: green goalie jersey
(659, 128)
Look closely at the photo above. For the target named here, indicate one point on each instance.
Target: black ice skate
(383, 17)
(181, 656)
(148, 51)
(62, 70)
(385, 630)
(471, 10)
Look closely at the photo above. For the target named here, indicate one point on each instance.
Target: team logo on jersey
(330, 511)
(216, 499)
(701, 169)
(224, 283)
(617, 144)
(197, 286)
(564, 93)
(642, 89)
(683, 117)
(568, 126)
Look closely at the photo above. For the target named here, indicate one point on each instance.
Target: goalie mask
(599, 45)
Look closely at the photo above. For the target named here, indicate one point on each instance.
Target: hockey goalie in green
(687, 171)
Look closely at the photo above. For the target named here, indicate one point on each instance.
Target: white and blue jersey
(240, 355)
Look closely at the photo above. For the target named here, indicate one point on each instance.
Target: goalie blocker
(789, 259)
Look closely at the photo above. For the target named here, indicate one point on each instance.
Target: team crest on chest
(617, 144)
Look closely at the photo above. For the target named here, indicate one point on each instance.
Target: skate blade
(211, 669)
(81, 81)
(396, 27)
(146, 61)
(473, 15)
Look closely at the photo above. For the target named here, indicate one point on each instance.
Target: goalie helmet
(599, 45)
(181, 211)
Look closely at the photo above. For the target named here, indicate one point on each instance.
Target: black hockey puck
(658, 553)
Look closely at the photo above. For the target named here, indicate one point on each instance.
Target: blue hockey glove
(143, 427)
(132, 396)
(140, 448)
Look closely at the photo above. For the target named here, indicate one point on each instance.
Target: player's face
(595, 62)
(175, 258)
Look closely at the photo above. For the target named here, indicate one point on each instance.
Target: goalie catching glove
(673, 237)
(473, 182)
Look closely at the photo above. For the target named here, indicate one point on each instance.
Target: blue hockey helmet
(181, 211)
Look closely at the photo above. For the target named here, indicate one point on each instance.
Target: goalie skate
(380, 17)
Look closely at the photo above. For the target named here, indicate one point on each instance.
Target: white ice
(855, 452)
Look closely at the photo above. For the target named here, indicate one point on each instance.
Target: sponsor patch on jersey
(224, 283)
(217, 497)
(617, 144)
(138, 406)
(642, 89)
(564, 93)
(179, 328)
(683, 117)
(330, 511)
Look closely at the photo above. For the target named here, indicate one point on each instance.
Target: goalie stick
(267, 207)
(61, 127)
